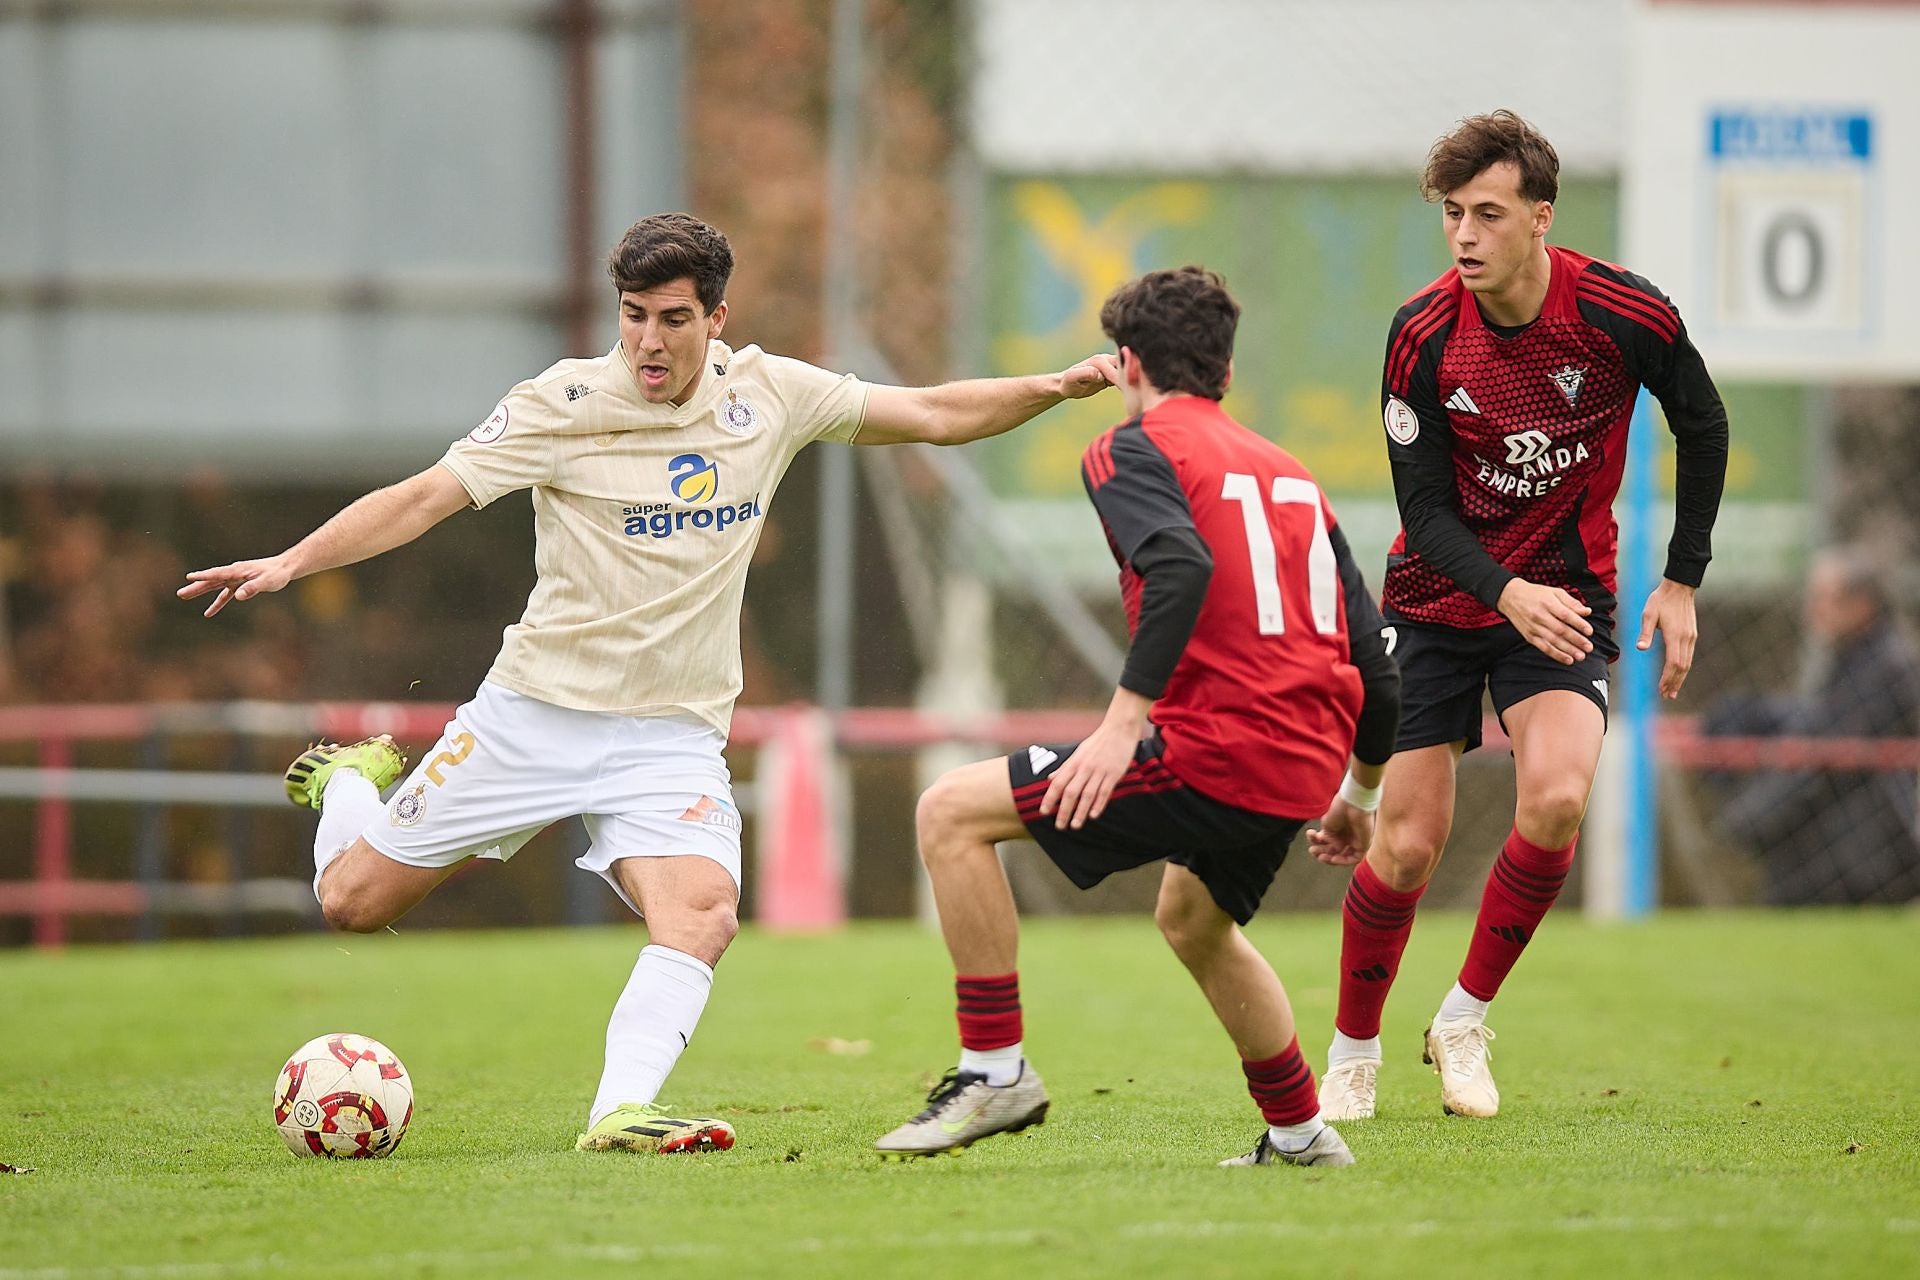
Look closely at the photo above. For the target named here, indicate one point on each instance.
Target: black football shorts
(1443, 671)
(1153, 815)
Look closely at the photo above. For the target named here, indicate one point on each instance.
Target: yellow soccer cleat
(375, 759)
(647, 1129)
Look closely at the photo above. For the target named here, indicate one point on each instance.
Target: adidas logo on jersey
(1461, 402)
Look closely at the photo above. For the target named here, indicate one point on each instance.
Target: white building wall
(1365, 86)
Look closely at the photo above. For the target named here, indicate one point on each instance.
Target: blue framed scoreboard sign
(1770, 174)
(1791, 202)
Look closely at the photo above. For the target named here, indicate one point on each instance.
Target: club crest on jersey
(409, 807)
(1569, 379)
(693, 478)
(493, 428)
(738, 414)
(1403, 424)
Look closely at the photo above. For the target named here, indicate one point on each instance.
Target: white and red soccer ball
(342, 1096)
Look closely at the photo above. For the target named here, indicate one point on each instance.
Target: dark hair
(1480, 142)
(668, 246)
(1180, 324)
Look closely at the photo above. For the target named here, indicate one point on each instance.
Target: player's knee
(1406, 855)
(1551, 815)
(940, 818)
(349, 910)
(716, 925)
(1193, 930)
(703, 928)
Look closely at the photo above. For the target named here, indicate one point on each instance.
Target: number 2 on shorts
(463, 745)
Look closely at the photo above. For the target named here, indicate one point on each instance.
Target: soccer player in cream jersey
(652, 468)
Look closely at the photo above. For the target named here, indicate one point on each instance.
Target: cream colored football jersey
(645, 518)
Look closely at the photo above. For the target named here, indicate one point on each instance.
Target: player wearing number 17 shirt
(1508, 388)
(1256, 676)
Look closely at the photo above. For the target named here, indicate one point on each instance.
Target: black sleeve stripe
(1638, 308)
(1097, 462)
(1404, 352)
(1135, 488)
(1631, 297)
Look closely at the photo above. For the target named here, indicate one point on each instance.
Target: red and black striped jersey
(1508, 444)
(1261, 707)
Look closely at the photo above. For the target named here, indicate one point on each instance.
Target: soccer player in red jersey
(1508, 387)
(1256, 666)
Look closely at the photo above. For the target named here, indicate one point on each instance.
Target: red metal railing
(54, 895)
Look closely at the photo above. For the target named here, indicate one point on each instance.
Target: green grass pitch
(1731, 1094)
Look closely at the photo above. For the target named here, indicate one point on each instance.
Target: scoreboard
(1770, 179)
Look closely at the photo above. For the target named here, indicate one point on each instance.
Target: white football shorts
(507, 766)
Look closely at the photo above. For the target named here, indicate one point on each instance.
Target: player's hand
(1549, 619)
(242, 580)
(1094, 374)
(1082, 786)
(1670, 612)
(1344, 835)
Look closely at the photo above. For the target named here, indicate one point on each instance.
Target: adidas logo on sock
(1378, 973)
(1509, 933)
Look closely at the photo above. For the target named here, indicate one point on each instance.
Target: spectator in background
(1835, 835)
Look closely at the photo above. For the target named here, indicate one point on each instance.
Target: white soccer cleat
(1327, 1148)
(1458, 1053)
(963, 1108)
(1347, 1091)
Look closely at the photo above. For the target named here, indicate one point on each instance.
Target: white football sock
(1295, 1138)
(653, 1021)
(1345, 1049)
(347, 807)
(1459, 1004)
(1001, 1067)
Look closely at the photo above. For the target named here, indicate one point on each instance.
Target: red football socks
(989, 1010)
(1283, 1086)
(1521, 887)
(1375, 924)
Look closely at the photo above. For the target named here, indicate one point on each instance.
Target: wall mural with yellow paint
(1319, 266)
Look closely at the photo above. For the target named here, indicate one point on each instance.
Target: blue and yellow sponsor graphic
(693, 478)
(695, 481)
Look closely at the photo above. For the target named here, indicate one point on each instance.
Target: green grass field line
(1719, 1094)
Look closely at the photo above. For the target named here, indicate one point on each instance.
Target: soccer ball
(345, 1097)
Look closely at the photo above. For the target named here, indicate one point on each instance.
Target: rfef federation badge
(493, 428)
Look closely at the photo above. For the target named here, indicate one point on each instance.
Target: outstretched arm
(957, 412)
(384, 519)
